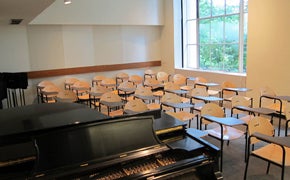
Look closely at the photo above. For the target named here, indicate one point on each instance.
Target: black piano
(89, 145)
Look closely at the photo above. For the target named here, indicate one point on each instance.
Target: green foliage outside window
(218, 27)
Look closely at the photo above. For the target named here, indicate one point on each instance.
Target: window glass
(213, 37)
(232, 6)
(232, 29)
(204, 8)
(218, 7)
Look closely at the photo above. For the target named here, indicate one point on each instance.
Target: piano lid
(37, 117)
(95, 142)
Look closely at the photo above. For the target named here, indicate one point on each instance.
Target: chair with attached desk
(109, 83)
(213, 113)
(229, 90)
(198, 104)
(113, 103)
(82, 88)
(135, 106)
(162, 77)
(275, 150)
(174, 106)
(269, 99)
(39, 87)
(238, 100)
(121, 77)
(147, 96)
(181, 80)
(69, 82)
(175, 89)
(201, 82)
(149, 73)
(66, 96)
(126, 89)
(97, 80)
(95, 94)
(49, 92)
(136, 79)
(211, 109)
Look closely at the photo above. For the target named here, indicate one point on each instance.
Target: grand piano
(71, 141)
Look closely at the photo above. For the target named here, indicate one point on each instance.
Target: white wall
(269, 46)
(103, 12)
(14, 53)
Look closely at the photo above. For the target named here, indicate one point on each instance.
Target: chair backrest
(151, 82)
(83, 85)
(70, 80)
(51, 88)
(109, 83)
(121, 77)
(171, 98)
(179, 79)
(198, 92)
(100, 90)
(127, 84)
(110, 97)
(228, 84)
(136, 105)
(136, 79)
(149, 73)
(212, 109)
(66, 96)
(267, 91)
(171, 86)
(162, 76)
(97, 79)
(239, 100)
(44, 83)
(143, 91)
(261, 125)
(200, 79)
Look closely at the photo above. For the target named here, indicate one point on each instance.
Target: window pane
(245, 28)
(217, 55)
(192, 32)
(204, 8)
(218, 7)
(245, 5)
(192, 56)
(204, 56)
(190, 9)
(232, 6)
(204, 31)
(232, 29)
(231, 58)
(217, 30)
(245, 58)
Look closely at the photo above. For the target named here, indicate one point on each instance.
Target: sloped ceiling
(21, 9)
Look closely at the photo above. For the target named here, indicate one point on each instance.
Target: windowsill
(214, 72)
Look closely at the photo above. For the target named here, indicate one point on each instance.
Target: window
(215, 34)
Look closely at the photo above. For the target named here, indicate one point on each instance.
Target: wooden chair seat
(273, 153)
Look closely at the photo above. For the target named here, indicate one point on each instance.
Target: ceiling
(21, 9)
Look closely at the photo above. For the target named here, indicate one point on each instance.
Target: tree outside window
(215, 34)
